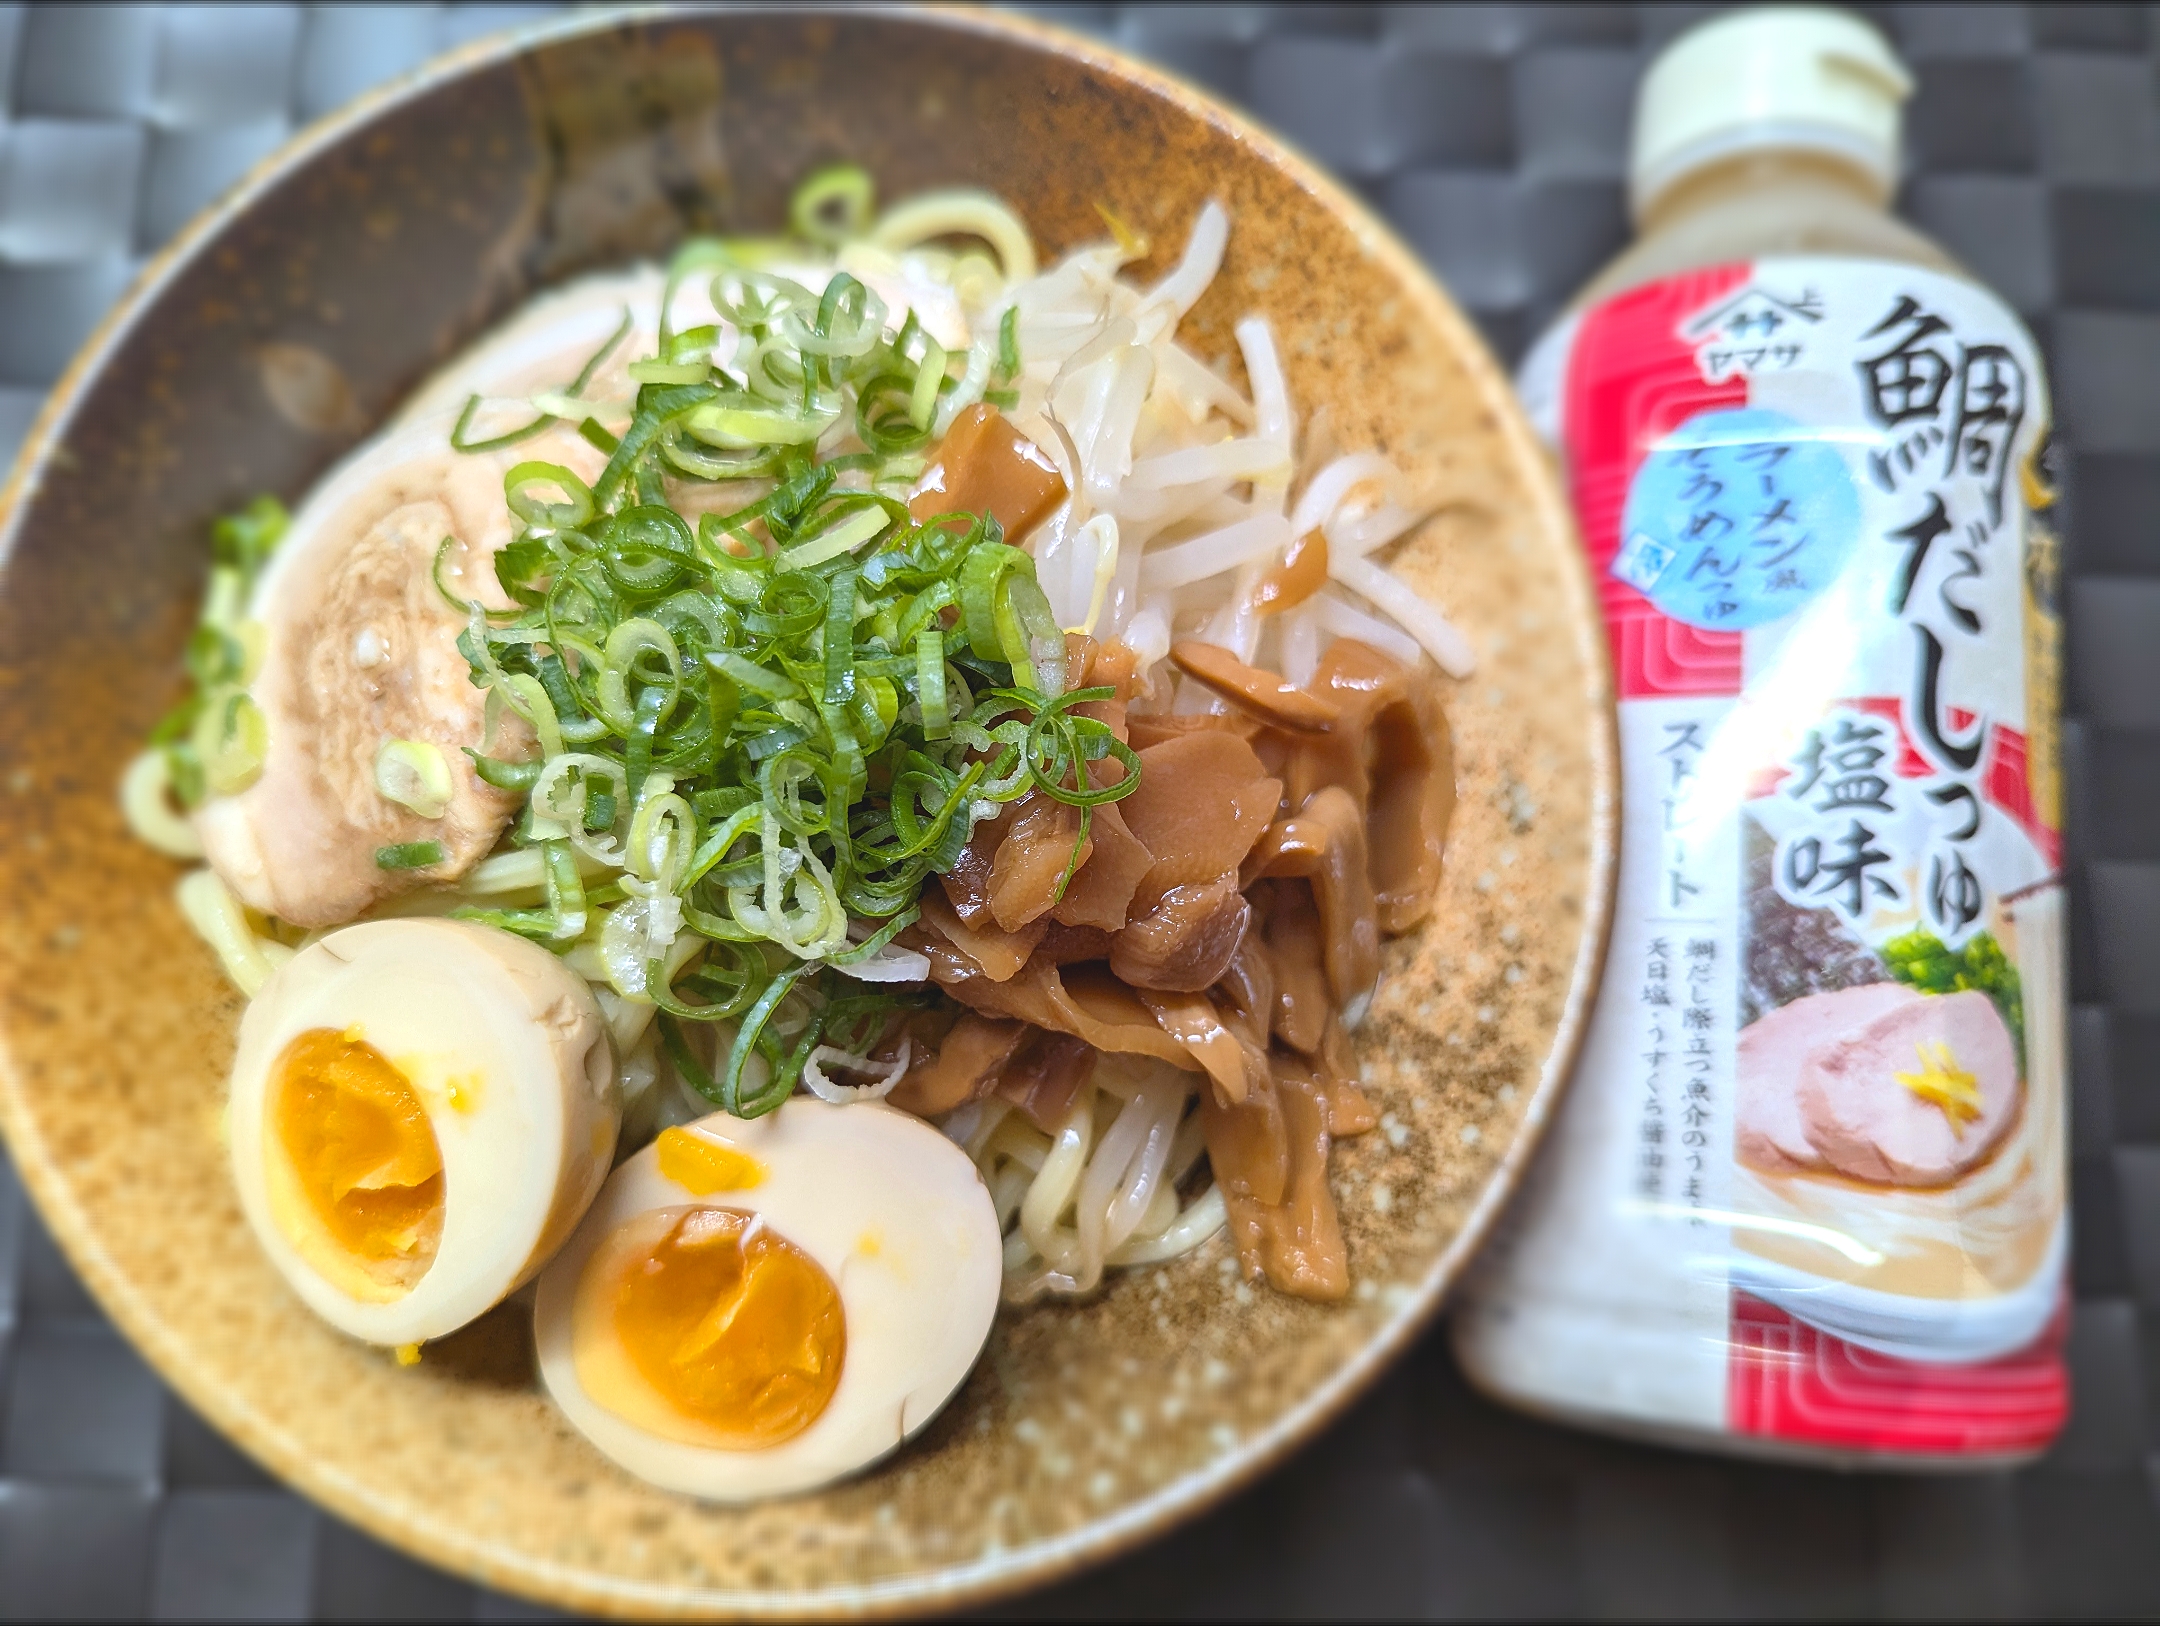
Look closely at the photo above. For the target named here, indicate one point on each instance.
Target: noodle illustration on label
(1819, 1125)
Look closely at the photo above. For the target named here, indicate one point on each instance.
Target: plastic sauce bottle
(1807, 1197)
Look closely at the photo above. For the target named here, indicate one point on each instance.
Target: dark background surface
(1494, 137)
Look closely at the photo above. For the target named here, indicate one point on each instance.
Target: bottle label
(1813, 1167)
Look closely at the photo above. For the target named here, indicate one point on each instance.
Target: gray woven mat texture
(1494, 138)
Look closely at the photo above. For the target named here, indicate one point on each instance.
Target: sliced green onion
(885, 415)
(845, 537)
(1008, 362)
(598, 357)
(627, 646)
(922, 401)
(839, 638)
(1072, 864)
(458, 442)
(849, 324)
(527, 696)
(930, 683)
(519, 776)
(562, 516)
(1031, 634)
(230, 741)
(833, 205)
(413, 774)
(691, 1070)
(856, 953)
(756, 679)
(245, 541)
(956, 212)
(146, 798)
(740, 428)
(565, 891)
(747, 1035)
(670, 372)
(982, 577)
(409, 855)
(773, 743)
(638, 748)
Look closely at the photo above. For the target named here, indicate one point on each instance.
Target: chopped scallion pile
(213, 740)
(775, 723)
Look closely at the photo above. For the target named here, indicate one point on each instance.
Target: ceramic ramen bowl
(292, 317)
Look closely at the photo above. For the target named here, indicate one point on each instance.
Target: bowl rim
(1001, 1575)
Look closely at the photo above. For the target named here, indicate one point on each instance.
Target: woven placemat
(1494, 137)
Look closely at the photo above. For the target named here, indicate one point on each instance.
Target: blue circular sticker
(1739, 517)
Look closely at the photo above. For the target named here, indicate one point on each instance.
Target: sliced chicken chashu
(361, 649)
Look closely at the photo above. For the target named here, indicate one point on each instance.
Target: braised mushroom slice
(1201, 803)
(1250, 689)
(1335, 1071)
(1234, 1062)
(986, 466)
(966, 1066)
(1297, 1242)
(1412, 801)
(1034, 859)
(1312, 761)
(1302, 573)
(1096, 998)
(1106, 665)
(967, 884)
(1113, 662)
(1325, 844)
(1147, 728)
(1248, 1145)
(996, 952)
(1245, 994)
(949, 966)
(1045, 1074)
(1296, 944)
(1083, 1000)
(1069, 945)
(1101, 892)
(1186, 942)
(1392, 752)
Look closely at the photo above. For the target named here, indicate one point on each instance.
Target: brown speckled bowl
(294, 315)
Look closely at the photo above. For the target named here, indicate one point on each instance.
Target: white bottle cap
(1773, 76)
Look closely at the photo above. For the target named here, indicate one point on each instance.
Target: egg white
(892, 1211)
(505, 1048)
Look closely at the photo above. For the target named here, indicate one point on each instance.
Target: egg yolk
(734, 1326)
(362, 1152)
(702, 1167)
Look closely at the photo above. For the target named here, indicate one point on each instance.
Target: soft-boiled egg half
(756, 1307)
(421, 1112)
